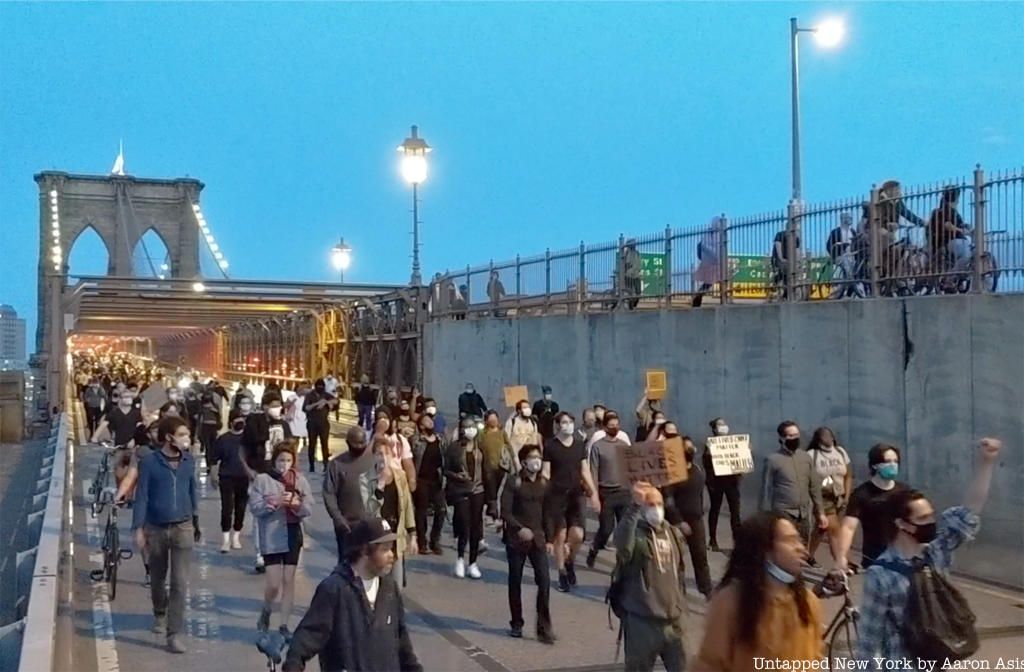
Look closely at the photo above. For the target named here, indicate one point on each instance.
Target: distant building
(12, 340)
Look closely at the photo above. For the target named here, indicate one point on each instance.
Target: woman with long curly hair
(762, 609)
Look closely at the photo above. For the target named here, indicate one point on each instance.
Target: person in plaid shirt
(916, 532)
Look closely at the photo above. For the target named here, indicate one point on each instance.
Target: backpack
(938, 624)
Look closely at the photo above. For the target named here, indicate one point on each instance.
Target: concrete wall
(928, 374)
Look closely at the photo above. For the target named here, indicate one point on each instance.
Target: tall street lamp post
(341, 257)
(414, 152)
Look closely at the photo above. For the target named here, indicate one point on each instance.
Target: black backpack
(938, 624)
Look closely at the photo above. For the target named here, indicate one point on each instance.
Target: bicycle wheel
(844, 639)
(989, 272)
(112, 580)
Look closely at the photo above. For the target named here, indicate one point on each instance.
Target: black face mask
(320, 389)
(924, 533)
(791, 444)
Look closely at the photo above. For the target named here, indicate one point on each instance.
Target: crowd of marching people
(532, 476)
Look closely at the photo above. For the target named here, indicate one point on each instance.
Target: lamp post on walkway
(828, 34)
(414, 152)
(341, 257)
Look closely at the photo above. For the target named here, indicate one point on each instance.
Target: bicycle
(99, 484)
(113, 554)
(959, 281)
(842, 633)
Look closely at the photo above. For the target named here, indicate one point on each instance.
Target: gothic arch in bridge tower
(84, 252)
(150, 254)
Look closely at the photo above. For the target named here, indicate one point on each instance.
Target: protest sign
(657, 383)
(659, 463)
(731, 454)
(514, 394)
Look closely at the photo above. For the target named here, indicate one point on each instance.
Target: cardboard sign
(514, 394)
(657, 383)
(660, 463)
(731, 454)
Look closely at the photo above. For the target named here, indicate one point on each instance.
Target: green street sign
(652, 274)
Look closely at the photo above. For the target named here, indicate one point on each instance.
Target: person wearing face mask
(567, 467)
(464, 490)
(522, 430)
(471, 404)
(404, 423)
(428, 455)
(832, 465)
(868, 507)
(349, 485)
(430, 408)
(545, 410)
(366, 398)
(121, 420)
(209, 421)
(526, 534)
(599, 411)
(686, 510)
(228, 474)
(762, 610)
(918, 540)
(396, 507)
(165, 525)
(603, 455)
(399, 447)
(280, 500)
(263, 431)
(317, 406)
(647, 591)
(656, 430)
(499, 461)
(721, 487)
(790, 485)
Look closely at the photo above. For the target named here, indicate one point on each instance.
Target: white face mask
(471, 433)
(547, 397)
(659, 421)
(526, 412)
(723, 430)
(182, 442)
(567, 428)
(654, 515)
(431, 411)
(274, 412)
(533, 464)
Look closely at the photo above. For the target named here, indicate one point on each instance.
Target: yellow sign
(514, 394)
(657, 383)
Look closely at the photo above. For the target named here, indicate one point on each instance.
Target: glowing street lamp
(828, 34)
(341, 257)
(414, 152)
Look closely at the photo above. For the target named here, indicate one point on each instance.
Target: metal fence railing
(957, 236)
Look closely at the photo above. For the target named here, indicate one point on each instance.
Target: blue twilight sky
(551, 123)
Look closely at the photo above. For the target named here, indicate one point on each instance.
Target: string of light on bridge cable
(211, 243)
(56, 252)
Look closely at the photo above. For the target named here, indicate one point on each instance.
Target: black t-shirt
(122, 425)
(869, 504)
(430, 463)
(317, 416)
(565, 464)
(780, 238)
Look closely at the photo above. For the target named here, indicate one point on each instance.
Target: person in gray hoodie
(604, 464)
(647, 590)
(790, 485)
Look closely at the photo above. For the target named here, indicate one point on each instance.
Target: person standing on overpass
(165, 522)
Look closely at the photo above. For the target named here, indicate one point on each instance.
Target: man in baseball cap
(356, 621)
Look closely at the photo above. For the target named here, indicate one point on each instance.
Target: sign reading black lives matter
(659, 463)
(731, 454)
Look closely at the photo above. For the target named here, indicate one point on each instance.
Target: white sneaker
(236, 540)
(226, 544)
(474, 571)
(460, 568)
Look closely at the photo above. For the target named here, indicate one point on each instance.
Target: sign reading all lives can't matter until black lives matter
(731, 454)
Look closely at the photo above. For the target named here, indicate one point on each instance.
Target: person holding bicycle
(762, 608)
(165, 522)
(947, 233)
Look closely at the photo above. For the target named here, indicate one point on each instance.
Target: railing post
(490, 274)
(724, 275)
(469, 289)
(519, 285)
(620, 268)
(667, 269)
(792, 231)
(876, 240)
(547, 277)
(979, 229)
(581, 282)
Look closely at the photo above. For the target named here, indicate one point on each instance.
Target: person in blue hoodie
(165, 524)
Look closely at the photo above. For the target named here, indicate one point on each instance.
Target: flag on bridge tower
(118, 168)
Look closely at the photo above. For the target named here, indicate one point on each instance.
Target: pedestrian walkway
(456, 625)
